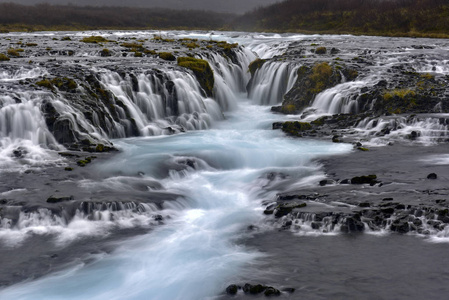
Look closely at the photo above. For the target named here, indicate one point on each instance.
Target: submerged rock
(59, 198)
(432, 176)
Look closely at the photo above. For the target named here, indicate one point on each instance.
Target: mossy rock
(94, 39)
(14, 52)
(167, 56)
(45, 83)
(3, 57)
(311, 81)
(295, 128)
(255, 65)
(202, 71)
(286, 208)
(320, 121)
(66, 38)
(105, 52)
(320, 50)
(63, 84)
(362, 149)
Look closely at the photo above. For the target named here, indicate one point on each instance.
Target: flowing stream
(223, 165)
(194, 254)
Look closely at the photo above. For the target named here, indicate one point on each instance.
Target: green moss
(295, 128)
(132, 45)
(68, 169)
(137, 54)
(320, 50)
(14, 52)
(64, 83)
(82, 163)
(31, 44)
(288, 109)
(45, 83)
(66, 38)
(152, 52)
(427, 76)
(319, 121)
(202, 71)
(167, 56)
(399, 93)
(99, 148)
(226, 45)
(191, 45)
(161, 39)
(321, 74)
(362, 149)
(3, 57)
(255, 65)
(94, 39)
(105, 52)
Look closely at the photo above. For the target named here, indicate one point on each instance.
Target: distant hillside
(373, 17)
(15, 17)
(228, 6)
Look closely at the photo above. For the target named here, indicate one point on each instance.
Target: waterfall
(230, 77)
(271, 82)
(340, 99)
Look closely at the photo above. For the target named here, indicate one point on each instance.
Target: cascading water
(270, 83)
(190, 196)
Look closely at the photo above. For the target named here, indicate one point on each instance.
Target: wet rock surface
(399, 198)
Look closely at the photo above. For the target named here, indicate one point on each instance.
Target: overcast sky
(232, 6)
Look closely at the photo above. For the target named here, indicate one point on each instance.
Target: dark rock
(277, 125)
(257, 289)
(271, 291)
(158, 217)
(336, 139)
(19, 152)
(316, 225)
(413, 135)
(284, 209)
(56, 199)
(432, 176)
(345, 181)
(400, 226)
(232, 289)
(352, 224)
(364, 204)
(364, 179)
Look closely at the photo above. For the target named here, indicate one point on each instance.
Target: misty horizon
(230, 6)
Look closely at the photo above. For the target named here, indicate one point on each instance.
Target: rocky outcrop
(313, 79)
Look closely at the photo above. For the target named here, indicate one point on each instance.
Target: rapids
(193, 172)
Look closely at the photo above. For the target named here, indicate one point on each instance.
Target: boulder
(232, 289)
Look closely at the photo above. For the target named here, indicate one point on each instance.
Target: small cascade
(230, 76)
(160, 104)
(420, 220)
(340, 99)
(79, 219)
(24, 134)
(271, 82)
(421, 128)
(22, 74)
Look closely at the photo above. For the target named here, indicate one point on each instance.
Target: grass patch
(95, 39)
(202, 71)
(167, 56)
(3, 57)
(255, 65)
